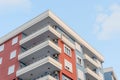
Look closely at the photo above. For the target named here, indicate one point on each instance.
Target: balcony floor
(39, 69)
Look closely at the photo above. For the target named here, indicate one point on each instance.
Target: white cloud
(99, 8)
(115, 8)
(107, 25)
(8, 4)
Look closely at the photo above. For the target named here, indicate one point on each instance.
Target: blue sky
(96, 21)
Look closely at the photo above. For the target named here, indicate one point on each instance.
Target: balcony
(42, 49)
(91, 75)
(39, 69)
(90, 60)
(38, 36)
(48, 77)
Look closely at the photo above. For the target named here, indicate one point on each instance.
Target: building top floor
(49, 18)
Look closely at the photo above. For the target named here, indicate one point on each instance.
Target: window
(1, 48)
(0, 60)
(80, 74)
(11, 69)
(13, 54)
(67, 50)
(14, 40)
(68, 65)
(79, 60)
(65, 78)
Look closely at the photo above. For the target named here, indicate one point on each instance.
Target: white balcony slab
(38, 68)
(86, 57)
(43, 46)
(40, 33)
(48, 77)
(93, 74)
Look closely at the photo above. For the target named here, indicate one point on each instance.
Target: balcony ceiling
(90, 65)
(39, 25)
(39, 39)
(39, 71)
(89, 77)
(39, 54)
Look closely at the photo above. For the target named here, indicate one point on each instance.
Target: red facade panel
(6, 61)
(72, 59)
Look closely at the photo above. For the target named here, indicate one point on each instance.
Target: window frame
(13, 54)
(67, 50)
(14, 40)
(11, 69)
(1, 59)
(81, 62)
(2, 47)
(68, 65)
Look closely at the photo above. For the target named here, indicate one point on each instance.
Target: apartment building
(45, 48)
(109, 74)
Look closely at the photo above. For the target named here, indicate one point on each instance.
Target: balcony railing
(92, 73)
(22, 64)
(91, 60)
(38, 43)
(49, 44)
(38, 64)
(40, 32)
(40, 28)
(46, 77)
